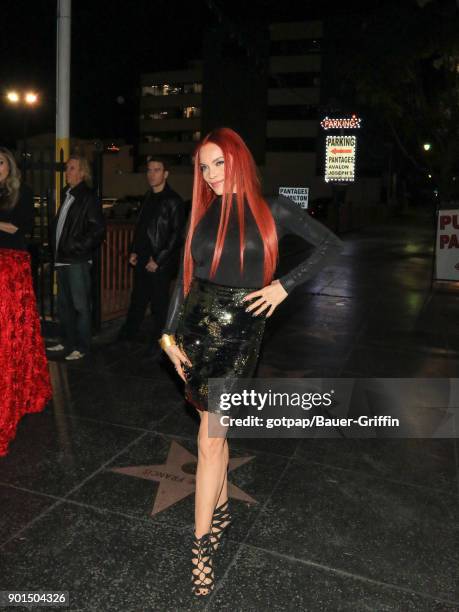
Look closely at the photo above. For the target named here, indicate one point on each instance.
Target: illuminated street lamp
(427, 146)
(24, 100)
(13, 97)
(31, 98)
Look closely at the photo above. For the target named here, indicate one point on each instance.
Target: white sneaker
(74, 355)
(56, 347)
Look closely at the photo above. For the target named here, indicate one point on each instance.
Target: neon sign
(342, 123)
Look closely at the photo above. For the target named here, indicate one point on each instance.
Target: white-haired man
(76, 231)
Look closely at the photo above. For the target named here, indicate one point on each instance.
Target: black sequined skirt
(220, 338)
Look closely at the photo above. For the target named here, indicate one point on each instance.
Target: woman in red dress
(24, 377)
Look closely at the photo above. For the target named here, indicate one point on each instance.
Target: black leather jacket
(165, 230)
(84, 227)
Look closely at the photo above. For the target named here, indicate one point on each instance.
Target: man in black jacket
(154, 252)
(76, 231)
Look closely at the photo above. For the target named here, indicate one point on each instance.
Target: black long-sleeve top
(289, 219)
(21, 215)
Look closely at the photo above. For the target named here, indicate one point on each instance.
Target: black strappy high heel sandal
(202, 573)
(221, 515)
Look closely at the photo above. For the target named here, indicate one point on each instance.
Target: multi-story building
(171, 107)
(293, 99)
(273, 97)
(170, 114)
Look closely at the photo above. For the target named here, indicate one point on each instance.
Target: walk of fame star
(177, 479)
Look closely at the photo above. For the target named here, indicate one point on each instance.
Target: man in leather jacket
(75, 232)
(154, 253)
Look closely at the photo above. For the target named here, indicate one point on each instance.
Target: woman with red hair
(225, 291)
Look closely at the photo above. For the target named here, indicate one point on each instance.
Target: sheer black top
(289, 219)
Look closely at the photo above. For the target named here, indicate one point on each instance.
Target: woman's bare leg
(224, 492)
(211, 482)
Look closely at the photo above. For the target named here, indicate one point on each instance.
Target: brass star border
(175, 482)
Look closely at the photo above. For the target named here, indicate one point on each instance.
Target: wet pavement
(97, 491)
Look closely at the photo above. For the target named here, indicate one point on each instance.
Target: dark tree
(401, 61)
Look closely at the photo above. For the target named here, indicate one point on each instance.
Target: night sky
(113, 42)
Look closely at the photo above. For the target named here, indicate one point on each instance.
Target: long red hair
(241, 172)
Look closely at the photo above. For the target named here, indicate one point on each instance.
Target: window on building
(192, 88)
(152, 90)
(191, 136)
(189, 112)
(158, 115)
(162, 137)
(164, 89)
(295, 47)
(153, 137)
(180, 112)
(171, 89)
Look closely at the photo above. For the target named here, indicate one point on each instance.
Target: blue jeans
(74, 305)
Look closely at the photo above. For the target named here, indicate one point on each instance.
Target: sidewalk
(97, 494)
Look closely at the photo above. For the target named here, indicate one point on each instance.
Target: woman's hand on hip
(178, 357)
(268, 297)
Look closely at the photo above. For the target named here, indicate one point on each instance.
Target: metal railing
(111, 275)
(116, 278)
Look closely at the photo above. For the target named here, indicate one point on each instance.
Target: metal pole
(24, 139)
(64, 18)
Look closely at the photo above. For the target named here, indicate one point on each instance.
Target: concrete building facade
(175, 107)
(293, 99)
(170, 114)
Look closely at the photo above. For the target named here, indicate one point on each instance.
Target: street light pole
(24, 136)
(64, 17)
